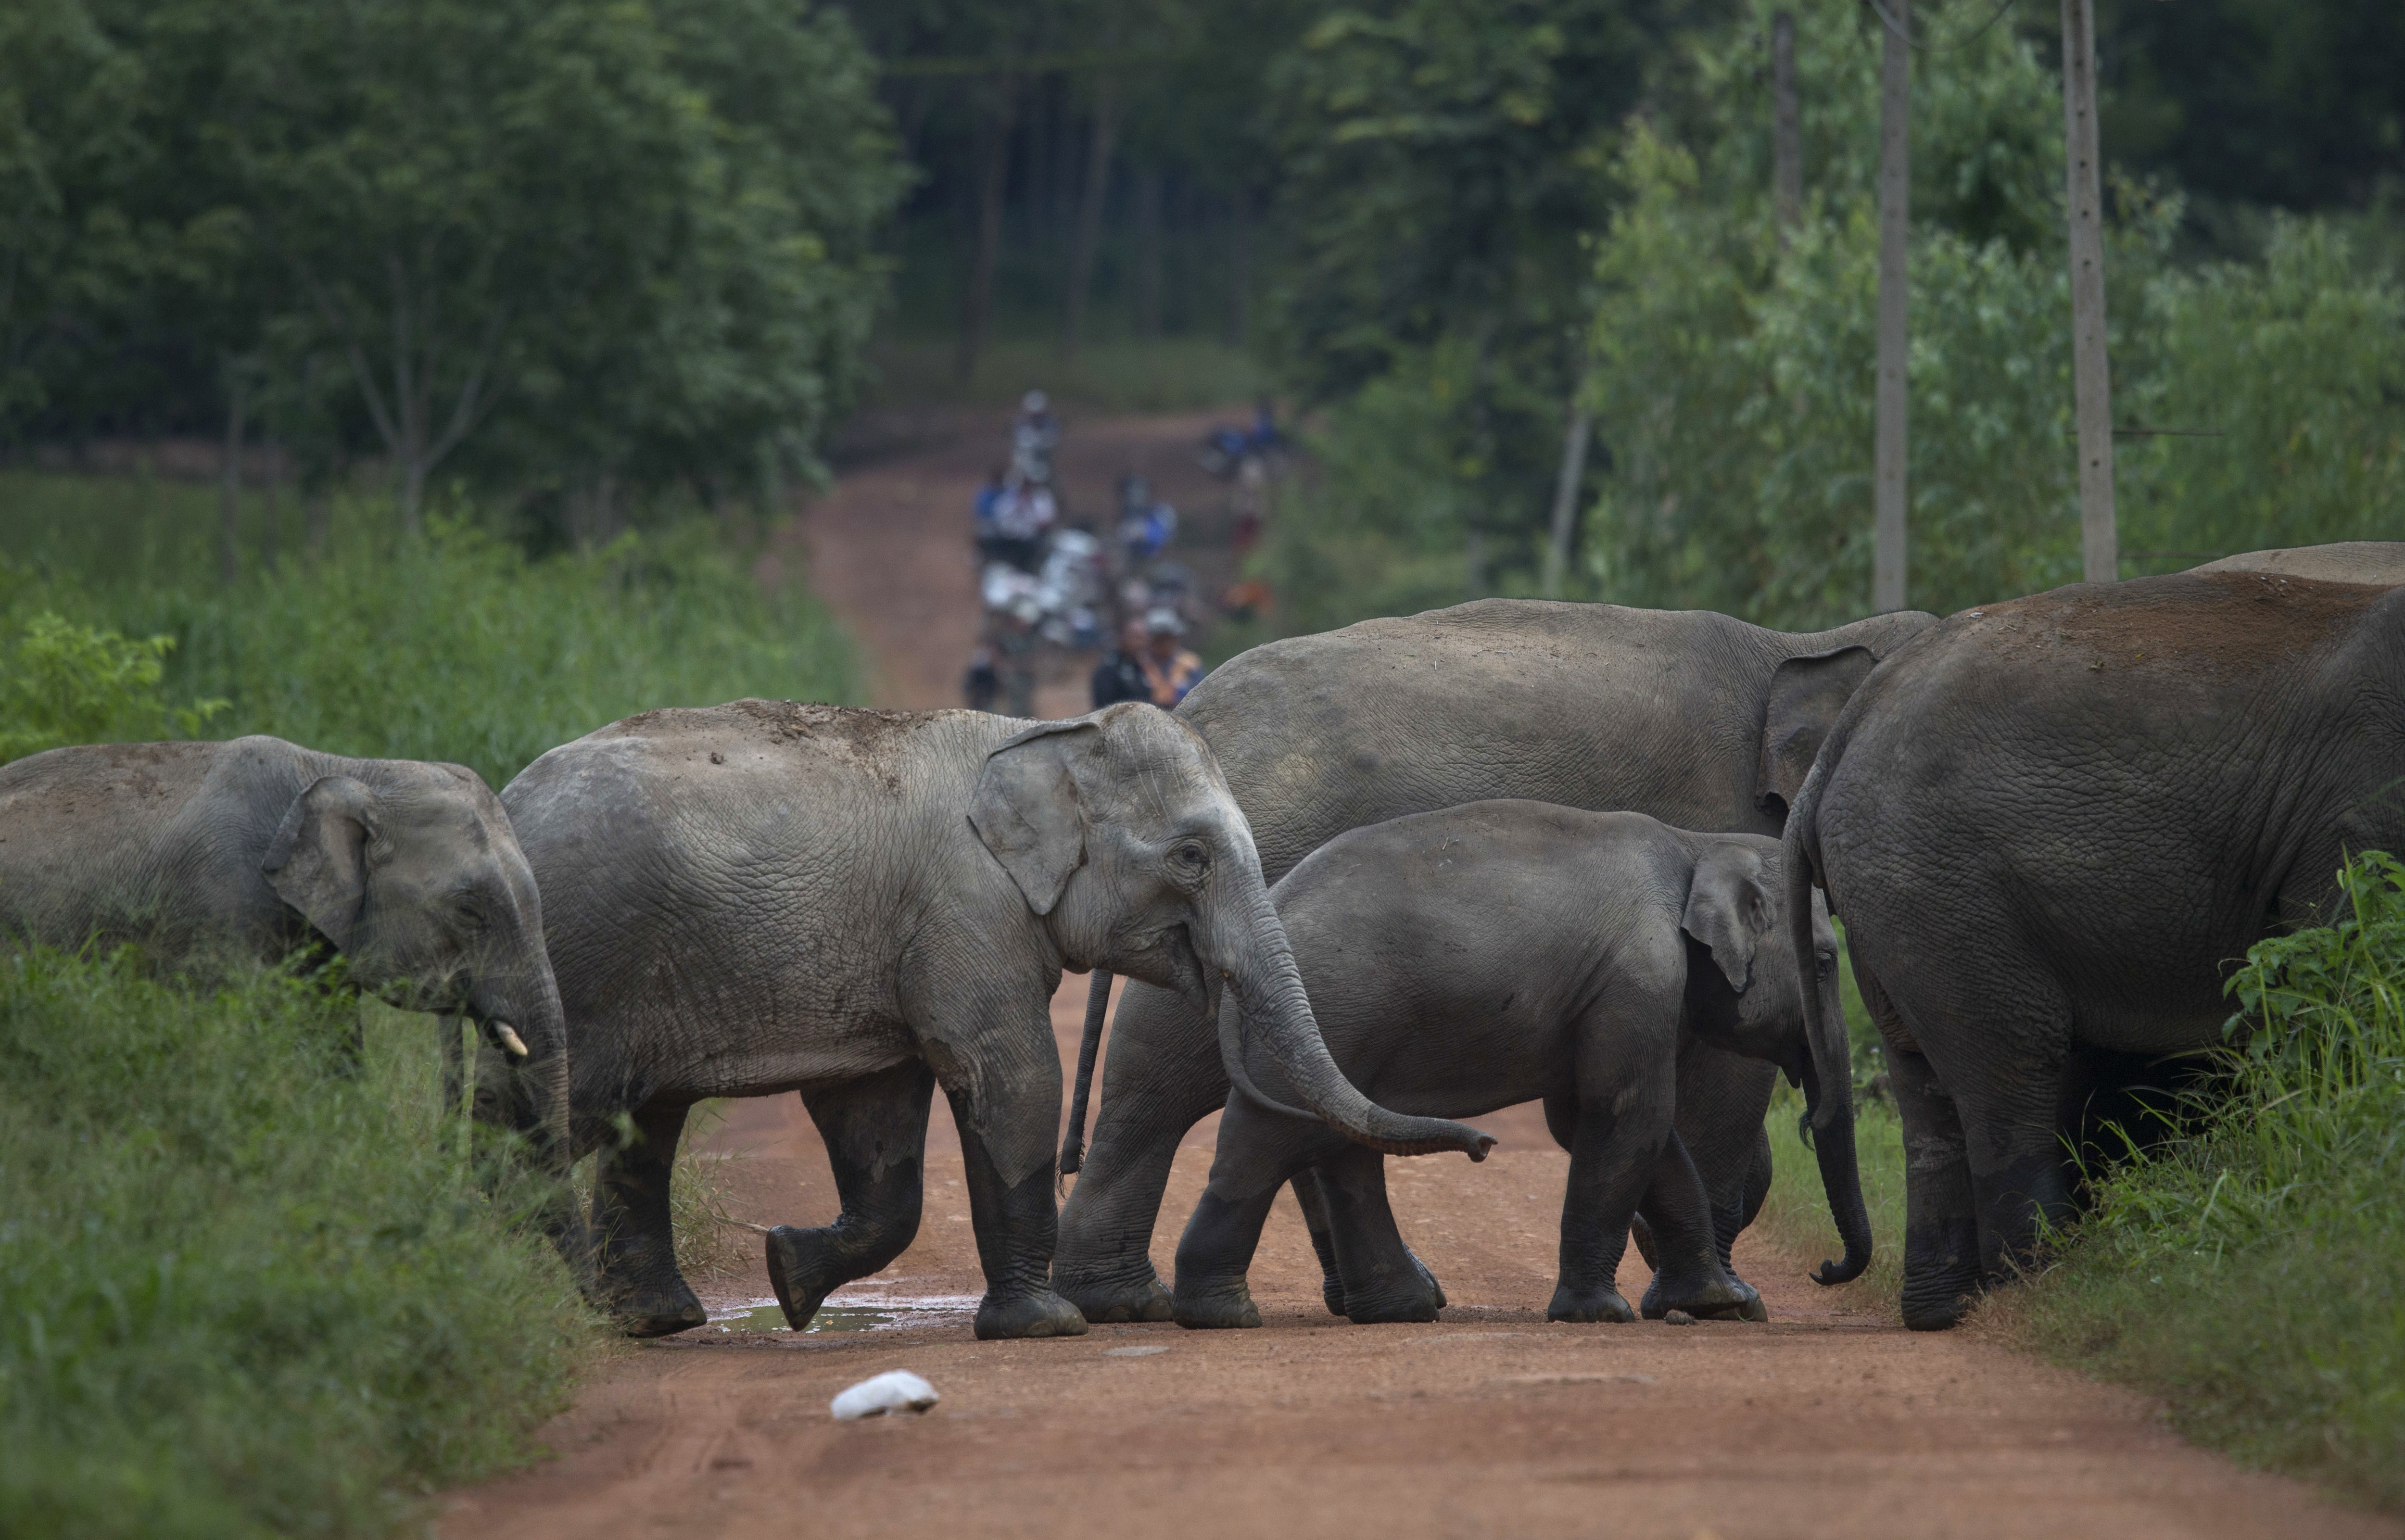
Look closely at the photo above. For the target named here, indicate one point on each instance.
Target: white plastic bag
(896, 1390)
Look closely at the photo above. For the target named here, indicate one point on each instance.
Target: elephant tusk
(506, 1035)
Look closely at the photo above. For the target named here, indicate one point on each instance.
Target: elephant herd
(1362, 884)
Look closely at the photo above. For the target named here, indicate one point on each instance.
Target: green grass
(2250, 1271)
(454, 647)
(243, 1293)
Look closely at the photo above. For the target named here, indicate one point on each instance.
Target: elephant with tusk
(256, 847)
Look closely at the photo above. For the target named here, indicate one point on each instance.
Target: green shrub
(454, 646)
(70, 683)
(242, 1291)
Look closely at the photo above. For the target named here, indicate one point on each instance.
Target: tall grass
(454, 647)
(245, 1288)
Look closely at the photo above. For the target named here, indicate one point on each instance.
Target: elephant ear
(1028, 812)
(1807, 692)
(317, 861)
(1729, 909)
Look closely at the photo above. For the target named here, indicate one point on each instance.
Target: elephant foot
(1705, 1299)
(1586, 1305)
(646, 1315)
(1412, 1305)
(1217, 1309)
(1111, 1305)
(804, 1269)
(1331, 1293)
(1043, 1314)
(1923, 1314)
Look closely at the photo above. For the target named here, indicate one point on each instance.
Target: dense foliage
(243, 1290)
(451, 646)
(588, 248)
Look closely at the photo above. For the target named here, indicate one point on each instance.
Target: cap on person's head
(1164, 623)
(1034, 400)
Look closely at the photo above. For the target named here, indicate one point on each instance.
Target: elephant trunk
(1829, 1072)
(1269, 996)
(524, 1019)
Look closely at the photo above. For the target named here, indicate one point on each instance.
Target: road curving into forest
(1829, 1421)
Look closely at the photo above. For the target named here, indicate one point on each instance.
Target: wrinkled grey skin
(256, 847)
(2381, 562)
(1502, 952)
(862, 905)
(2050, 826)
(1703, 721)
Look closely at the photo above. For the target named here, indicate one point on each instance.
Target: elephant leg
(1258, 1153)
(1369, 1225)
(1941, 1229)
(1691, 1276)
(1758, 1177)
(1722, 1099)
(1313, 1204)
(1626, 1097)
(876, 1135)
(635, 1247)
(1008, 1124)
(1382, 1278)
(1161, 1077)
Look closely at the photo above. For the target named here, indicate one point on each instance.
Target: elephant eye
(1192, 856)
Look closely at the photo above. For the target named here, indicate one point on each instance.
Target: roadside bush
(2254, 1272)
(69, 683)
(456, 645)
(242, 1291)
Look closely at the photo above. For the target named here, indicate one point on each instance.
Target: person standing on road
(1169, 669)
(1120, 677)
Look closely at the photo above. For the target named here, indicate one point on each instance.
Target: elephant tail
(1098, 1004)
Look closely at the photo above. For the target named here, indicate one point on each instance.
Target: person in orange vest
(1169, 669)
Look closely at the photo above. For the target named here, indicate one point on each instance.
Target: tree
(1442, 162)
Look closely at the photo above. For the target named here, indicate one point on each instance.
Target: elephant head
(1120, 833)
(1782, 1010)
(419, 882)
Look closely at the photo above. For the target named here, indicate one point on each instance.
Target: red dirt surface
(1829, 1421)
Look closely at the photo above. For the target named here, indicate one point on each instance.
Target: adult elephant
(1703, 721)
(862, 905)
(2050, 825)
(255, 847)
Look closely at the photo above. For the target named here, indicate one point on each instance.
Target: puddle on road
(866, 1312)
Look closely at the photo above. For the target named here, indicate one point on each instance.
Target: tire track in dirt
(1830, 1420)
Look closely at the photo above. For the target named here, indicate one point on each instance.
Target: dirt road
(1829, 1421)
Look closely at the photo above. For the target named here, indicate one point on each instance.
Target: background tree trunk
(2091, 372)
(230, 482)
(271, 539)
(1888, 475)
(1566, 491)
(1089, 215)
(993, 181)
(1240, 267)
(1786, 130)
(1148, 192)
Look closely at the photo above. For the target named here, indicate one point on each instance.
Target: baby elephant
(1499, 952)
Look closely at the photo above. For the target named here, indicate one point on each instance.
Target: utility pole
(1786, 130)
(2091, 373)
(1894, 191)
